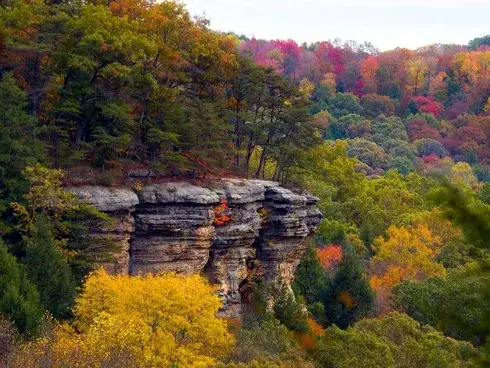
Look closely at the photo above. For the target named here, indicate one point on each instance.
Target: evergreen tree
(49, 270)
(288, 310)
(19, 146)
(19, 299)
(310, 278)
(349, 296)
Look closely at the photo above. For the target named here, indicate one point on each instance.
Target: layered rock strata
(115, 235)
(218, 230)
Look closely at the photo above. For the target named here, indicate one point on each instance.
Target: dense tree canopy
(394, 340)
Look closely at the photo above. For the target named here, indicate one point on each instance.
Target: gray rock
(106, 199)
(239, 192)
(283, 195)
(311, 200)
(265, 183)
(116, 234)
(182, 192)
(184, 252)
(141, 173)
(171, 218)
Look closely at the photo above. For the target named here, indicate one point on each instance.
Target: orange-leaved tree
(404, 254)
(330, 257)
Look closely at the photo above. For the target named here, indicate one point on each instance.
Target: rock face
(219, 230)
(120, 204)
(173, 228)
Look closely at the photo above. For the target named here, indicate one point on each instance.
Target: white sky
(385, 23)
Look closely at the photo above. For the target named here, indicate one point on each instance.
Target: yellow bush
(146, 321)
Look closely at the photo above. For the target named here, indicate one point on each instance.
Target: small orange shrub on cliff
(219, 218)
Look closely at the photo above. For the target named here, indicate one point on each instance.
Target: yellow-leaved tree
(144, 321)
(306, 87)
(406, 253)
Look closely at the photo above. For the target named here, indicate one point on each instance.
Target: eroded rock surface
(218, 230)
(173, 228)
(120, 204)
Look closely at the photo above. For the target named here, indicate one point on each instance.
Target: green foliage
(466, 211)
(275, 301)
(482, 172)
(342, 104)
(330, 174)
(479, 41)
(350, 348)
(403, 164)
(109, 80)
(288, 310)
(392, 199)
(485, 193)
(369, 153)
(386, 129)
(333, 231)
(48, 269)
(457, 305)
(19, 144)
(69, 222)
(19, 299)
(268, 112)
(418, 345)
(394, 340)
(310, 279)
(351, 125)
(458, 253)
(341, 300)
(349, 296)
(350, 202)
(263, 339)
(428, 146)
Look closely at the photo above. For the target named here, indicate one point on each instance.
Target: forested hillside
(440, 92)
(396, 146)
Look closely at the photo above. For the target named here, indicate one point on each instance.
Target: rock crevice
(217, 230)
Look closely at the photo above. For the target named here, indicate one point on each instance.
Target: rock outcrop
(173, 228)
(119, 203)
(219, 230)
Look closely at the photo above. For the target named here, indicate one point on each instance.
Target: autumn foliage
(404, 254)
(220, 216)
(330, 257)
(151, 321)
(121, 93)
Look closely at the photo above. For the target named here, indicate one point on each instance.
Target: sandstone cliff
(219, 230)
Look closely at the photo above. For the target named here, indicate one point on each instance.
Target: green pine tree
(349, 296)
(19, 145)
(310, 278)
(48, 269)
(19, 299)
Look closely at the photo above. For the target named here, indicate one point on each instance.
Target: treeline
(452, 78)
(434, 100)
